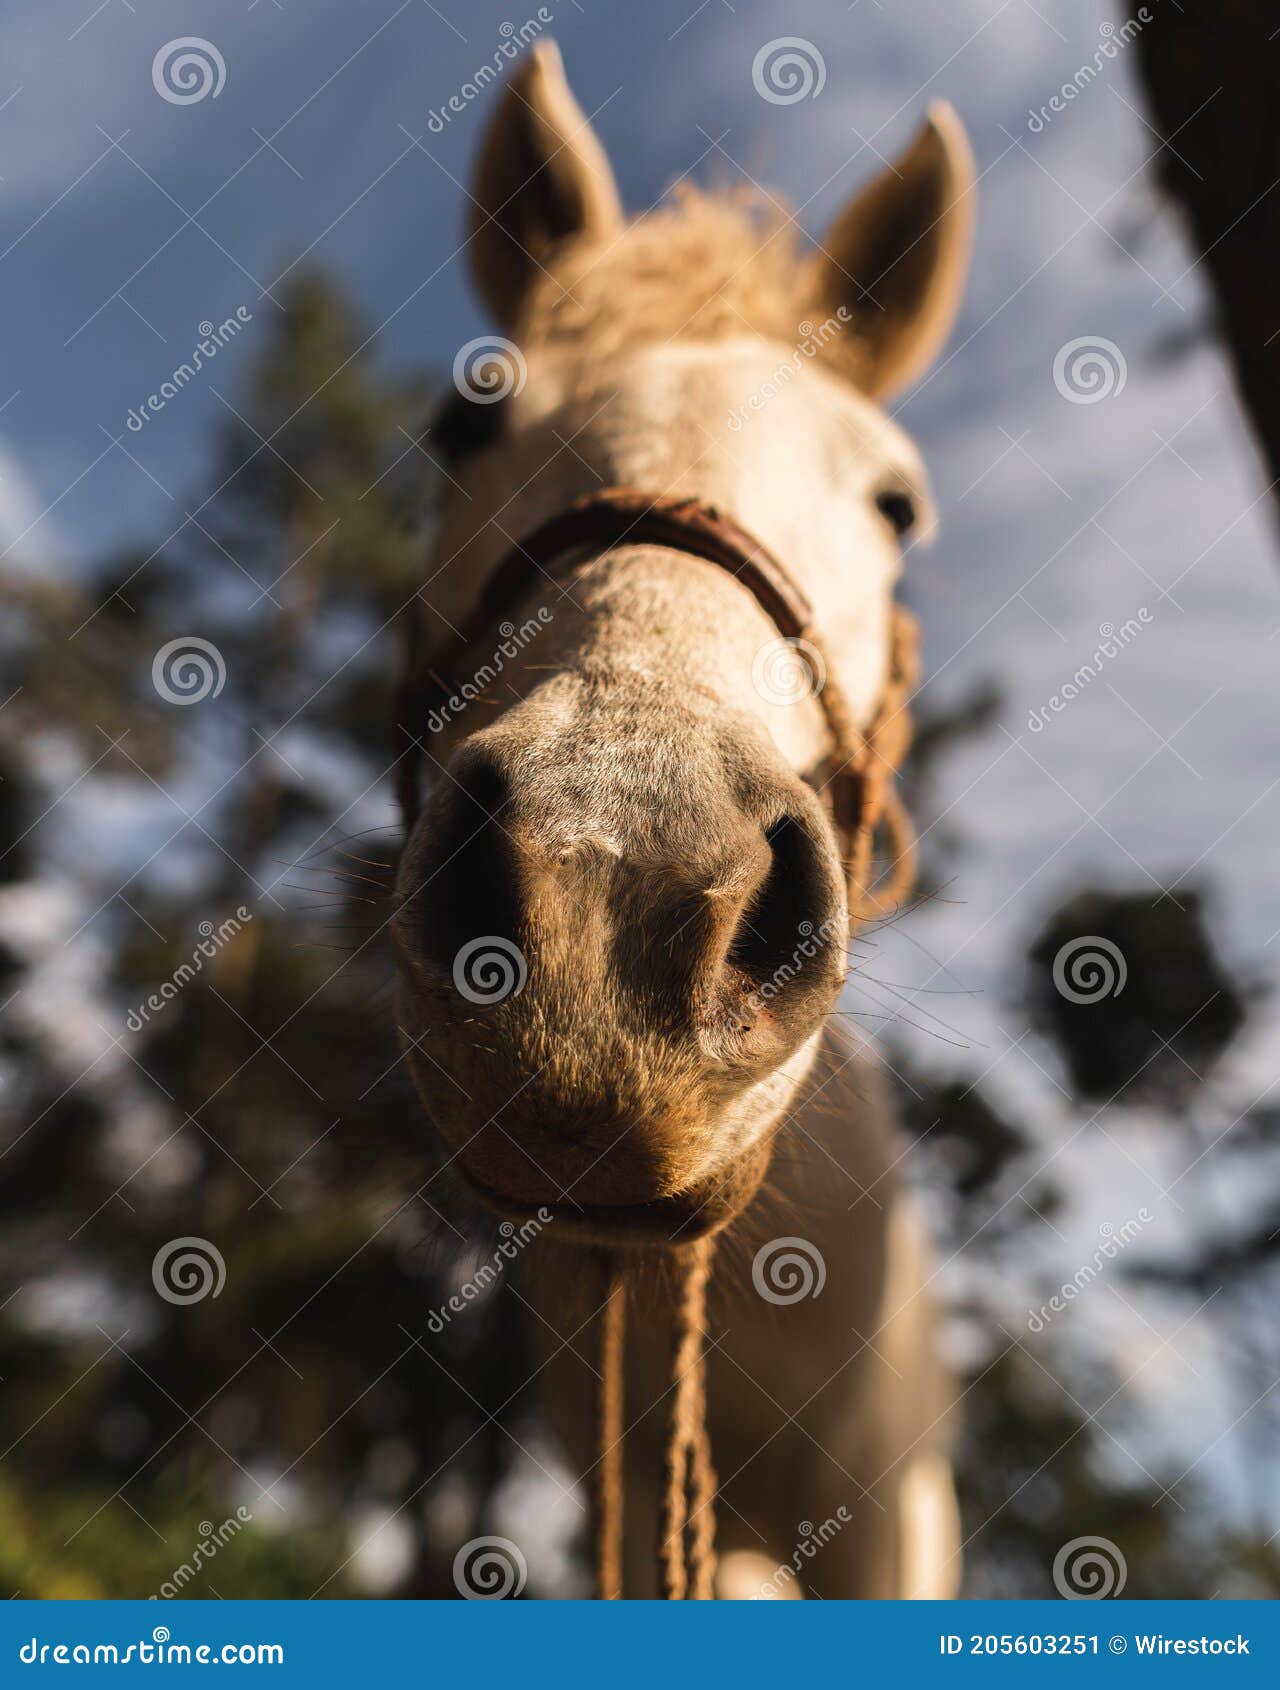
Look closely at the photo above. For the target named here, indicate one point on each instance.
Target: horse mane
(702, 266)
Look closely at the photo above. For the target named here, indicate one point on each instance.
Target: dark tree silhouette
(1212, 74)
(1131, 988)
(259, 1104)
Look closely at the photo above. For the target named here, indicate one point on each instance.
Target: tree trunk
(1212, 74)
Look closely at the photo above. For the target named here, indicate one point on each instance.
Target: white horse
(633, 822)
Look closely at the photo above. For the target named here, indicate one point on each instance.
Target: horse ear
(897, 256)
(542, 178)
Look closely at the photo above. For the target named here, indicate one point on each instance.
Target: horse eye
(898, 510)
(464, 426)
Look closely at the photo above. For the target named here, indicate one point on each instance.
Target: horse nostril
(788, 923)
(466, 880)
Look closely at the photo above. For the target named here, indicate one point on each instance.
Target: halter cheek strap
(857, 784)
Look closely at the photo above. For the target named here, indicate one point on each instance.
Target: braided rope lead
(686, 1547)
(609, 1420)
(702, 1500)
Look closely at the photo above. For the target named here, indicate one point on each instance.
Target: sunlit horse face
(622, 913)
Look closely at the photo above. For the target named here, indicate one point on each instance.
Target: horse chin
(659, 1223)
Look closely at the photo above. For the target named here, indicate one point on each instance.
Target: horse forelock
(702, 266)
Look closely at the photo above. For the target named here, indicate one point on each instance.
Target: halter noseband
(858, 787)
(860, 769)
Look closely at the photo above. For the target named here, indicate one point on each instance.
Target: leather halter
(857, 778)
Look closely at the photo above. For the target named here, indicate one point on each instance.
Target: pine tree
(201, 1043)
